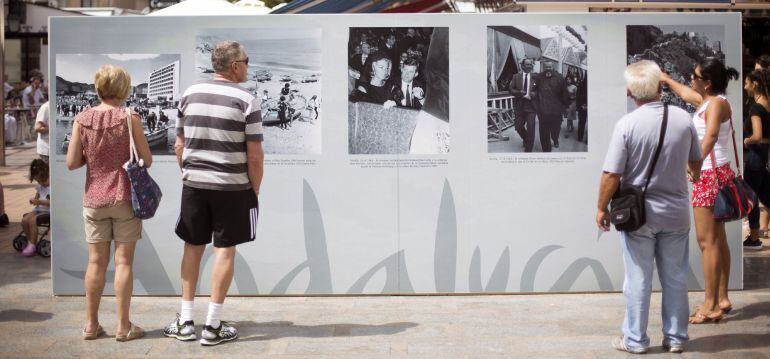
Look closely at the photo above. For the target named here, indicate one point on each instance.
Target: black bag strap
(663, 126)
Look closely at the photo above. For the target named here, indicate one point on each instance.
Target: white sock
(215, 313)
(187, 311)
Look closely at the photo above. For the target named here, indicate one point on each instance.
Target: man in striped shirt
(219, 148)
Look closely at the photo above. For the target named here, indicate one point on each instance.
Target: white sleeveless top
(723, 146)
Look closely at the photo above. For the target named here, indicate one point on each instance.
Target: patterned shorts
(704, 192)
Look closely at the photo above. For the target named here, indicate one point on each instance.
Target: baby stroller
(43, 244)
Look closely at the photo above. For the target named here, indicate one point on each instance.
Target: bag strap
(735, 147)
(663, 126)
(732, 133)
(132, 154)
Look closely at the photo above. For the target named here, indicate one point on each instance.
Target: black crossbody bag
(627, 211)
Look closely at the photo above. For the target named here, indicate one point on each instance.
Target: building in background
(163, 83)
(25, 42)
(26, 28)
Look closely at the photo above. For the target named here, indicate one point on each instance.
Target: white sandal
(93, 335)
(134, 332)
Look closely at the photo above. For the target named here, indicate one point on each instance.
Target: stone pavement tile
(404, 331)
(350, 346)
(256, 304)
(424, 303)
(372, 319)
(263, 331)
(720, 342)
(473, 347)
(24, 292)
(513, 330)
(277, 346)
(399, 348)
(554, 345)
(61, 331)
(598, 327)
(104, 347)
(12, 303)
(241, 346)
(258, 317)
(64, 304)
(161, 307)
(24, 346)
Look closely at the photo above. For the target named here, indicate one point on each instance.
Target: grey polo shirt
(630, 154)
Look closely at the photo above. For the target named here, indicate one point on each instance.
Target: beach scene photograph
(154, 94)
(285, 72)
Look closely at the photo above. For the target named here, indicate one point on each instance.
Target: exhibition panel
(410, 154)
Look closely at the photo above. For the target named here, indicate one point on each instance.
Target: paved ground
(35, 324)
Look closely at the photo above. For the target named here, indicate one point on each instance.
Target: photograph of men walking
(536, 89)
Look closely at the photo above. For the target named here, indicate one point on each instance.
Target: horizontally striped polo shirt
(217, 118)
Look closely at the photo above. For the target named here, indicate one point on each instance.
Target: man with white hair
(663, 239)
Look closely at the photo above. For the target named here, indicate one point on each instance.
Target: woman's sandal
(725, 310)
(93, 335)
(134, 332)
(700, 318)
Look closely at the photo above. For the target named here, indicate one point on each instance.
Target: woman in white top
(712, 121)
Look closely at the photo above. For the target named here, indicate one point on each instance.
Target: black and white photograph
(154, 94)
(677, 49)
(284, 68)
(398, 90)
(537, 88)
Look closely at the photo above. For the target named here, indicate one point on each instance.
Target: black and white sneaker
(214, 336)
(672, 348)
(753, 245)
(184, 331)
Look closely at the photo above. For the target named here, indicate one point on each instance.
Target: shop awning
(349, 6)
(207, 7)
(420, 6)
(518, 34)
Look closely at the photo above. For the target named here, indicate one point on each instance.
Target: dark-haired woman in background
(713, 121)
(376, 87)
(756, 132)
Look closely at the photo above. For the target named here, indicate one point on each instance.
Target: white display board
(469, 212)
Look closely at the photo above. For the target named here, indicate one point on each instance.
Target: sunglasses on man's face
(245, 61)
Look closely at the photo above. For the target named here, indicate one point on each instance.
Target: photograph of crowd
(285, 72)
(537, 89)
(398, 90)
(676, 49)
(154, 94)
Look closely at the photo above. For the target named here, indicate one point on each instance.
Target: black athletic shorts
(229, 217)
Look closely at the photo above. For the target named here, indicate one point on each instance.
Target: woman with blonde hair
(713, 121)
(100, 141)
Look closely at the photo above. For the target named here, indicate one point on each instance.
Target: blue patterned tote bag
(145, 193)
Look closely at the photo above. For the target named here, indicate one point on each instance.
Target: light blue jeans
(670, 251)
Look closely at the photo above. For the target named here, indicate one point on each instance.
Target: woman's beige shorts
(112, 223)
